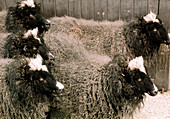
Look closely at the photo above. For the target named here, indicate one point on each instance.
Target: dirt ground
(157, 107)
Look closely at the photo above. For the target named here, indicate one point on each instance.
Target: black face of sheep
(35, 75)
(43, 81)
(142, 82)
(138, 78)
(31, 88)
(28, 45)
(26, 14)
(154, 29)
(40, 77)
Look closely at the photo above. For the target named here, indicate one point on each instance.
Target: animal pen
(101, 10)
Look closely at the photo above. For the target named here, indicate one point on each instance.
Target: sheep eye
(41, 79)
(34, 48)
(154, 29)
(139, 79)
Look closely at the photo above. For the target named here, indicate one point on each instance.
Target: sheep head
(136, 75)
(154, 29)
(29, 45)
(25, 16)
(40, 76)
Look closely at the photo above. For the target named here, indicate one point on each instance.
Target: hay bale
(96, 36)
(2, 21)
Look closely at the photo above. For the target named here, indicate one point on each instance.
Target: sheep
(28, 45)
(113, 91)
(142, 36)
(96, 86)
(27, 89)
(26, 15)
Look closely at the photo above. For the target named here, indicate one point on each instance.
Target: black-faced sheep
(94, 87)
(26, 15)
(144, 36)
(111, 92)
(28, 44)
(140, 37)
(27, 90)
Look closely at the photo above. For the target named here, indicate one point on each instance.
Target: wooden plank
(9, 3)
(162, 68)
(140, 8)
(2, 6)
(153, 6)
(55, 9)
(164, 13)
(126, 9)
(87, 9)
(48, 6)
(61, 7)
(113, 10)
(100, 10)
(74, 8)
(37, 1)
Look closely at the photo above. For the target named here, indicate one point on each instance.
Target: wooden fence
(101, 9)
(113, 10)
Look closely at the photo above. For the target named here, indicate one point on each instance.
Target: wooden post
(158, 7)
(94, 11)
(81, 9)
(68, 7)
(55, 8)
(107, 9)
(5, 5)
(147, 4)
(133, 8)
(120, 9)
(74, 9)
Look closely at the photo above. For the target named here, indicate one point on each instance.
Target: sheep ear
(137, 63)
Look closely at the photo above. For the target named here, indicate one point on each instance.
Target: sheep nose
(47, 24)
(167, 41)
(51, 56)
(153, 93)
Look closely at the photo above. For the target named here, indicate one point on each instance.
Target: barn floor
(157, 107)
